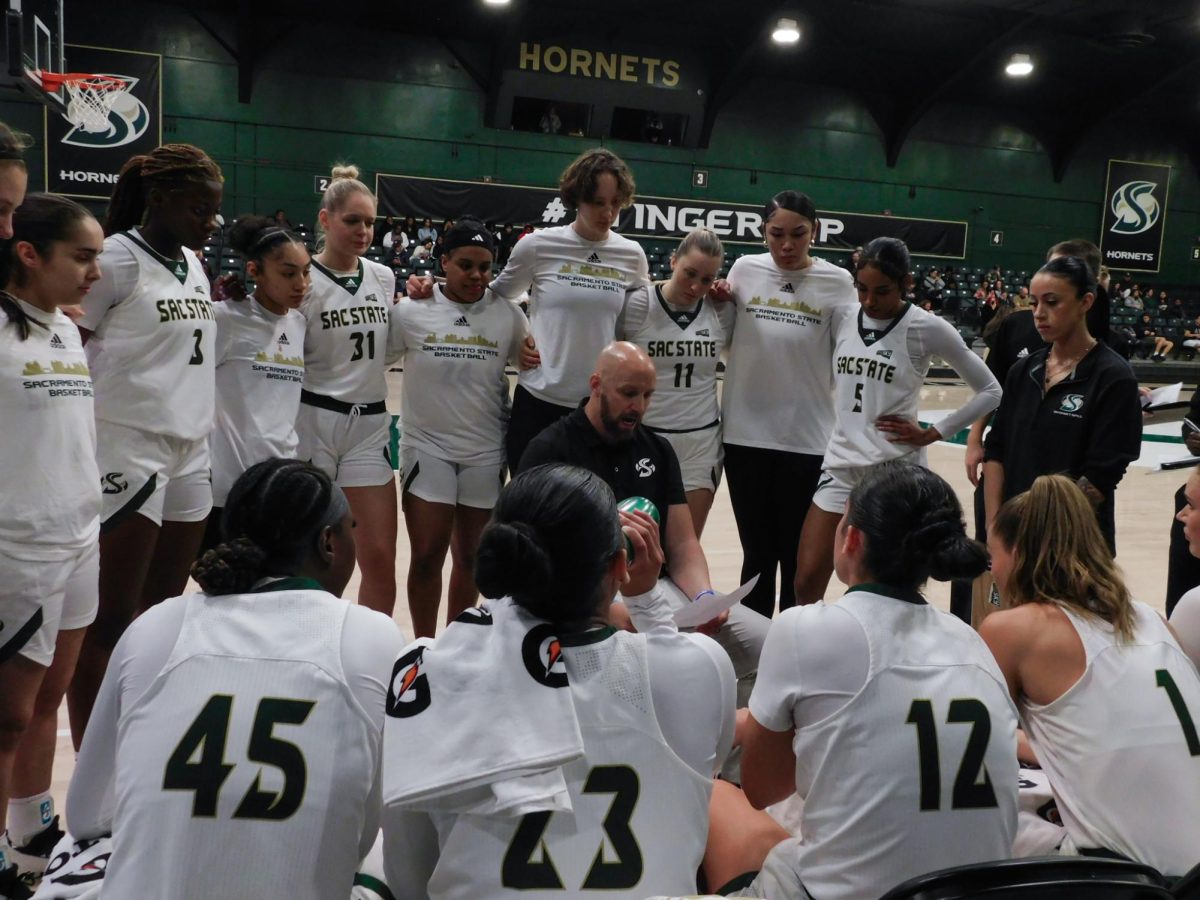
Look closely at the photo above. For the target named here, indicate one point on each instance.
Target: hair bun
(346, 170)
(231, 567)
(511, 560)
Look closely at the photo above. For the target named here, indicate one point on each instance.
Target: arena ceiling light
(787, 31)
(496, 2)
(1019, 66)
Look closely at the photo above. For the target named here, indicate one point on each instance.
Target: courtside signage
(654, 217)
(1135, 215)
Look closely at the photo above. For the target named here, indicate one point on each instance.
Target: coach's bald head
(621, 387)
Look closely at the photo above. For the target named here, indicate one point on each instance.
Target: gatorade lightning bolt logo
(474, 615)
(1135, 207)
(408, 691)
(543, 658)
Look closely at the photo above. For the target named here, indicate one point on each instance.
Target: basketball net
(89, 98)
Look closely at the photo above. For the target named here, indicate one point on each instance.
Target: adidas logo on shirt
(595, 257)
(1024, 353)
(478, 238)
(283, 339)
(56, 342)
(461, 322)
(787, 288)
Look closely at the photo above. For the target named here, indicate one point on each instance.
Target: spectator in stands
(383, 227)
(1151, 341)
(526, 231)
(281, 219)
(438, 250)
(427, 232)
(410, 227)
(1020, 299)
(505, 241)
(395, 242)
(1191, 336)
(852, 262)
(933, 286)
(993, 275)
(446, 226)
(550, 122)
(422, 252)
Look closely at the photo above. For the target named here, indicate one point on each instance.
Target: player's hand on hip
(530, 358)
(419, 287)
(900, 430)
(648, 558)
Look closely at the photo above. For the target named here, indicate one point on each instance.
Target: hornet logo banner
(82, 163)
(1135, 215)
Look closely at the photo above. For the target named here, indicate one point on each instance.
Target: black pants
(1183, 569)
(771, 491)
(961, 589)
(529, 416)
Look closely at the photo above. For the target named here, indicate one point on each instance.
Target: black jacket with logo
(1088, 425)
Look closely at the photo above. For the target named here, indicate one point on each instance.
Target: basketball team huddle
(565, 735)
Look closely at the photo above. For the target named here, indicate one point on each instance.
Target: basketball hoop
(89, 97)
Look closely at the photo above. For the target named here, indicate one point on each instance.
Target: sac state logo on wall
(127, 120)
(1135, 207)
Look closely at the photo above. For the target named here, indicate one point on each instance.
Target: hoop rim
(52, 81)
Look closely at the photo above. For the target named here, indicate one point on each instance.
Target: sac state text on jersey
(185, 308)
(356, 315)
(866, 367)
(704, 349)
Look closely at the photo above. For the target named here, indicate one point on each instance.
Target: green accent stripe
(373, 884)
(394, 443)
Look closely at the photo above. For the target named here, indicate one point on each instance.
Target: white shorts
(834, 487)
(40, 598)
(159, 477)
(437, 481)
(351, 449)
(701, 456)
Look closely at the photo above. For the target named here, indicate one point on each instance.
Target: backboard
(33, 43)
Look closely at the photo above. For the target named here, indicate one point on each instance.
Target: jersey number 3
(969, 793)
(520, 872)
(198, 762)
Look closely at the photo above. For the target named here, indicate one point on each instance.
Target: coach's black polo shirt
(644, 466)
(1089, 424)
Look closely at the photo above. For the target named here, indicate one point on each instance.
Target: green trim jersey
(51, 505)
(779, 381)
(347, 334)
(153, 335)
(879, 368)
(576, 291)
(685, 346)
(454, 397)
(260, 367)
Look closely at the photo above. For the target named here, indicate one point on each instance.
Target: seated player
(1107, 698)
(888, 717)
(234, 750)
(534, 751)
(605, 435)
(1185, 617)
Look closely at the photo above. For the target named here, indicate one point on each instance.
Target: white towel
(489, 702)
(76, 869)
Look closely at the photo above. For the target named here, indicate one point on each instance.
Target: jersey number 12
(968, 792)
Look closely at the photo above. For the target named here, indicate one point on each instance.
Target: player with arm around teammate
(881, 357)
(259, 358)
(50, 505)
(684, 331)
(879, 675)
(149, 330)
(454, 410)
(343, 422)
(655, 713)
(1107, 697)
(235, 748)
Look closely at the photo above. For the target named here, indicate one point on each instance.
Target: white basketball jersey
(346, 340)
(260, 367)
(640, 813)
(685, 347)
(1121, 745)
(246, 767)
(51, 506)
(919, 771)
(151, 354)
(873, 376)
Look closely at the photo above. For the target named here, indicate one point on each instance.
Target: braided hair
(273, 516)
(914, 528)
(168, 166)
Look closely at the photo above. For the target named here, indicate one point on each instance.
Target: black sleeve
(1098, 315)
(675, 491)
(1116, 435)
(1193, 412)
(1000, 356)
(993, 445)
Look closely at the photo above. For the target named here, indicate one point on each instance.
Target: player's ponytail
(913, 525)
(41, 220)
(171, 165)
(273, 517)
(1060, 555)
(552, 535)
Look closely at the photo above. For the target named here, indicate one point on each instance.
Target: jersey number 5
(204, 742)
(518, 871)
(858, 397)
(968, 792)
